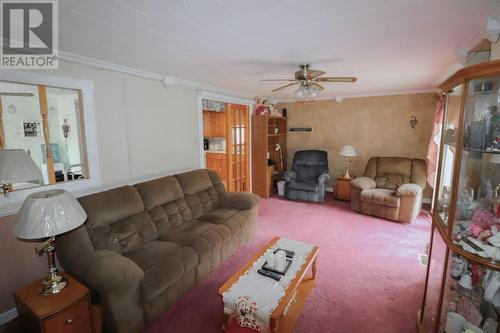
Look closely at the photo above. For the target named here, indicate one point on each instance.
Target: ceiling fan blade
(283, 80)
(307, 74)
(314, 74)
(283, 87)
(336, 79)
(315, 84)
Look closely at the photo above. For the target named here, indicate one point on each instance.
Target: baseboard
(7, 316)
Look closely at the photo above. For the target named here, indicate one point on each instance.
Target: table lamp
(16, 166)
(47, 214)
(346, 152)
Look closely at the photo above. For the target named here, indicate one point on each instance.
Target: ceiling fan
(308, 80)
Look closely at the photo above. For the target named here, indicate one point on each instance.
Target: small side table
(343, 189)
(68, 311)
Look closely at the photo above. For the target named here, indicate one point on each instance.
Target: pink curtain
(432, 152)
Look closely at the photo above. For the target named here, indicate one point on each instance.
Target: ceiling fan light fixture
(312, 92)
(299, 93)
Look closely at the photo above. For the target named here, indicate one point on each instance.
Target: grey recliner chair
(309, 175)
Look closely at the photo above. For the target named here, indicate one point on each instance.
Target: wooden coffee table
(288, 310)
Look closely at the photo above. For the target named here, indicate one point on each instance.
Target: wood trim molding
(44, 110)
(192, 85)
(484, 69)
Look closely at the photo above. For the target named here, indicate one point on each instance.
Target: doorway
(226, 142)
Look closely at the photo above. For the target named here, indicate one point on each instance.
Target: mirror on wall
(47, 124)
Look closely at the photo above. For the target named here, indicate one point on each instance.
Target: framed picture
(31, 128)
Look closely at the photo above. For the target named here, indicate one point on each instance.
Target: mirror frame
(10, 205)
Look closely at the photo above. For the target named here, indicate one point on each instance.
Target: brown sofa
(391, 188)
(143, 246)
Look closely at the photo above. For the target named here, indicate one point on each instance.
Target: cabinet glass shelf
(465, 245)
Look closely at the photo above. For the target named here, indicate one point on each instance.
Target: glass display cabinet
(462, 289)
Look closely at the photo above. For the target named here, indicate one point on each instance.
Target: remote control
(269, 274)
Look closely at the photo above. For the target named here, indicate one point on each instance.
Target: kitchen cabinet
(214, 124)
(217, 162)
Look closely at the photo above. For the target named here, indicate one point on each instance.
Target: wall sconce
(413, 121)
(65, 128)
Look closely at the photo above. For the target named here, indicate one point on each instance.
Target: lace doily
(253, 297)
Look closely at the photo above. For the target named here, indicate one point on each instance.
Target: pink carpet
(369, 275)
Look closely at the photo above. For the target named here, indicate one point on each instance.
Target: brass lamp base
(53, 284)
(346, 174)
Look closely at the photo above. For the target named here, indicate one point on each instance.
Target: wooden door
(237, 147)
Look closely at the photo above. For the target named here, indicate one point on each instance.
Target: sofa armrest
(323, 178)
(408, 189)
(363, 183)
(238, 200)
(288, 176)
(105, 270)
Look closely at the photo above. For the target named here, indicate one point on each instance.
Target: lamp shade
(347, 151)
(495, 159)
(48, 213)
(16, 166)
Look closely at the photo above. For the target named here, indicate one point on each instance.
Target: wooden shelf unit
(267, 132)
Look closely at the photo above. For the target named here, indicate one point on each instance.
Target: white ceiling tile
(248, 7)
(389, 45)
(219, 37)
(201, 12)
(255, 25)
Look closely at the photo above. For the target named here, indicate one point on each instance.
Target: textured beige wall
(375, 126)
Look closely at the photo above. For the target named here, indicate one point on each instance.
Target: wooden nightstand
(343, 189)
(68, 311)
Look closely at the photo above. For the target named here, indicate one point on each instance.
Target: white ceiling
(390, 45)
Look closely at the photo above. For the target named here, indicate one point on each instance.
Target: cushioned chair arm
(409, 189)
(105, 270)
(288, 176)
(238, 200)
(363, 183)
(323, 178)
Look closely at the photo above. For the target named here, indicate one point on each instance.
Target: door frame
(226, 99)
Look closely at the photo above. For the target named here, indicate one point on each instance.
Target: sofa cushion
(394, 165)
(225, 216)
(186, 232)
(303, 185)
(164, 200)
(380, 196)
(199, 192)
(156, 192)
(211, 243)
(391, 181)
(163, 263)
(116, 220)
(107, 207)
(218, 215)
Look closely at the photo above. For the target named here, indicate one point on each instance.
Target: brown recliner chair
(391, 188)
